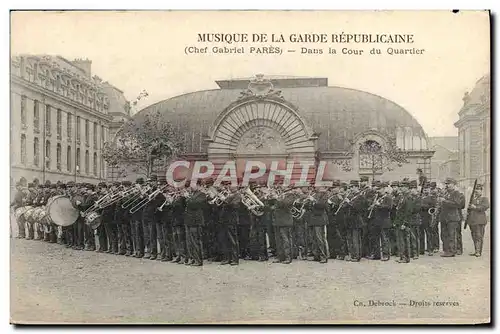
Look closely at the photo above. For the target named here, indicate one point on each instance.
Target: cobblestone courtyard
(50, 283)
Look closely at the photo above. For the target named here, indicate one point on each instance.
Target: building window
(86, 162)
(36, 152)
(36, 116)
(78, 160)
(68, 159)
(425, 166)
(58, 156)
(370, 156)
(78, 128)
(69, 127)
(87, 132)
(59, 123)
(95, 164)
(95, 135)
(102, 136)
(47, 154)
(23, 112)
(23, 149)
(47, 119)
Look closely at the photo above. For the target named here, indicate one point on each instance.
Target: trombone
(96, 205)
(146, 200)
(344, 200)
(138, 194)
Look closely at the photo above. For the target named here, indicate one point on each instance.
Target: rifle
(470, 203)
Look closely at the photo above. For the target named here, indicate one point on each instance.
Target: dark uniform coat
(195, 207)
(317, 209)
(282, 213)
(451, 206)
(382, 213)
(477, 216)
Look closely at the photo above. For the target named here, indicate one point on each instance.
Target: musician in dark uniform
(164, 219)
(381, 223)
(368, 194)
(401, 222)
(244, 231)
(477, 219)
(122, 219)
(258, 243)
(209, 230)
(108, 220)
(149, 224)
(31, 201)
(77, 199)
(435, 228)
(339, 211)
(159, 239)
(283, 223)
(395, 192)
(357, 205)
(317, 221)
(229, 227)
(137, 225)
(62, 232)
(89, 198)
(415, 203)
(179, 231)
(450, 217)
(429, 201)
(101, 230)
(18, 202)
(196, 201)
(299, 228)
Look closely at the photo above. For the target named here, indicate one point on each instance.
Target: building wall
(474, 136)
(52, 132)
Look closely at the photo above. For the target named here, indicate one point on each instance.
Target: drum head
(61, 212)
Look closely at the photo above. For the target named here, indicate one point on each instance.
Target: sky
(146, 50)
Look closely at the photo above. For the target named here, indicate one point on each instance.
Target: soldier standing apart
(450, 206)
(477, 219)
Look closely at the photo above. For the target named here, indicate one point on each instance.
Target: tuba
(252, 202)
(298, 209)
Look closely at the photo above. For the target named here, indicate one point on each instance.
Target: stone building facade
(295, 119)
(474, 135)
(445, 160)
(59, 119)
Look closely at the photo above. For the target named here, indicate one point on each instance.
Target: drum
(61, 212)
(93, 219)
(28, 214)
(21, 211)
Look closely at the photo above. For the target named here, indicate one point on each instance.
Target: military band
(199, 222)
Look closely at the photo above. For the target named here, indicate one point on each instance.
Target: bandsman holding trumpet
(379, 215)
(476, 219)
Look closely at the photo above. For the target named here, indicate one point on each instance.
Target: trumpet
(252, 202)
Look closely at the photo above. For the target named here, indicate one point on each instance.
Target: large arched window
(36, 116)
(370, 155)
(23, 111)
(36, 152)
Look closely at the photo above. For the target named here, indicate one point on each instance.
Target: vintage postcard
(262, 167)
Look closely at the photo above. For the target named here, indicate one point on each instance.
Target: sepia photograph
(250, 167)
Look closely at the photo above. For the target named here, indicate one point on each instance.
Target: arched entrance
(264, 129)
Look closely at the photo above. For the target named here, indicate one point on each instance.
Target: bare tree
(142, 142)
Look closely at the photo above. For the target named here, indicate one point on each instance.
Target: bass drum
(61, 212)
